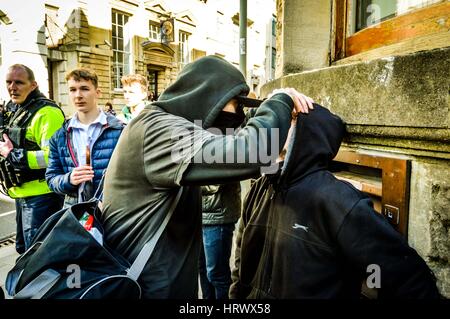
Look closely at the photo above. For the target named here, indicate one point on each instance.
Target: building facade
(383, 66)
(117, 37)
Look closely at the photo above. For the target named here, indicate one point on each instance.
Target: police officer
(24, 153)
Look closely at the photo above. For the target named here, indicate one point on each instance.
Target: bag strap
(144, 255)
(99, 191)
(39, 286)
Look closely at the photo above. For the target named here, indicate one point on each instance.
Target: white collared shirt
(85, 135)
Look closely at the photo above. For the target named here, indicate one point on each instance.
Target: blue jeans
(31, 212)
(214, 264)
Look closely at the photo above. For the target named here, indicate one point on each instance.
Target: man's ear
(34, 85)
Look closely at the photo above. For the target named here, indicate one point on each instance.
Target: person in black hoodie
(167, 146)
(305, 234)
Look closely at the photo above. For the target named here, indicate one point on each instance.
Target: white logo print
(300, 226)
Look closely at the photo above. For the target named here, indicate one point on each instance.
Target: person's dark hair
(83, 74)
(151, 96)
(109, 105)
(29, 72)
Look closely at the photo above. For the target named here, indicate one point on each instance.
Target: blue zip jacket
(61, 161)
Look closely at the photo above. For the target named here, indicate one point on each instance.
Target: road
(7, 217)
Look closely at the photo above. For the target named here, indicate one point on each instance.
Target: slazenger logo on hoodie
(295, 226)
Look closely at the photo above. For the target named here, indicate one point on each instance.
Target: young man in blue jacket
(80, 151)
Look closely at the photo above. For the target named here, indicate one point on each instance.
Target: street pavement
(7, 224)
(7, 217)
(8, 256)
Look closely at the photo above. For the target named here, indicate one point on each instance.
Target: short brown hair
(83, 74)
(135, 78)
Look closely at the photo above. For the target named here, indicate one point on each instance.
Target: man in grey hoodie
(167, 146)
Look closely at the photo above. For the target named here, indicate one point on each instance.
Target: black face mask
(229, 120)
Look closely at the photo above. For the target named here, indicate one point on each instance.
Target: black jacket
(306, 234)
(221, 203)
(166, 146)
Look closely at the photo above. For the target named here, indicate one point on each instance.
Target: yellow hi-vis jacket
(41, 128)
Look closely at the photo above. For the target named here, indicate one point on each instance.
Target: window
(184, 55)
(406, 6)
(365, 25)
(370, 12)
(121, 48)
(273, 63)
(154, 31)
(274, 26)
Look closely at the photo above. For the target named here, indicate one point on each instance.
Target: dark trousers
(214, 263)
(31, 212)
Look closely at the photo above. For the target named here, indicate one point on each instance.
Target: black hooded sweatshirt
(306, 234)
(166, 146)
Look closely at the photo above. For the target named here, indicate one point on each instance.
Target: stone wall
(298, 50)
(398, 107)
(100, 63)
(429, 217)
(395, 102)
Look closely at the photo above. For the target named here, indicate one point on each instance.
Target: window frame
(126, 55)
(273, 62)
(348, 43)
(183, 45)
(155, 24)
(274, 26)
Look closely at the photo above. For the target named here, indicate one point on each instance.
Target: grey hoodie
(166, 147)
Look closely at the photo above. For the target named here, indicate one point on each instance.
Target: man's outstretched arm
(227, 158)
